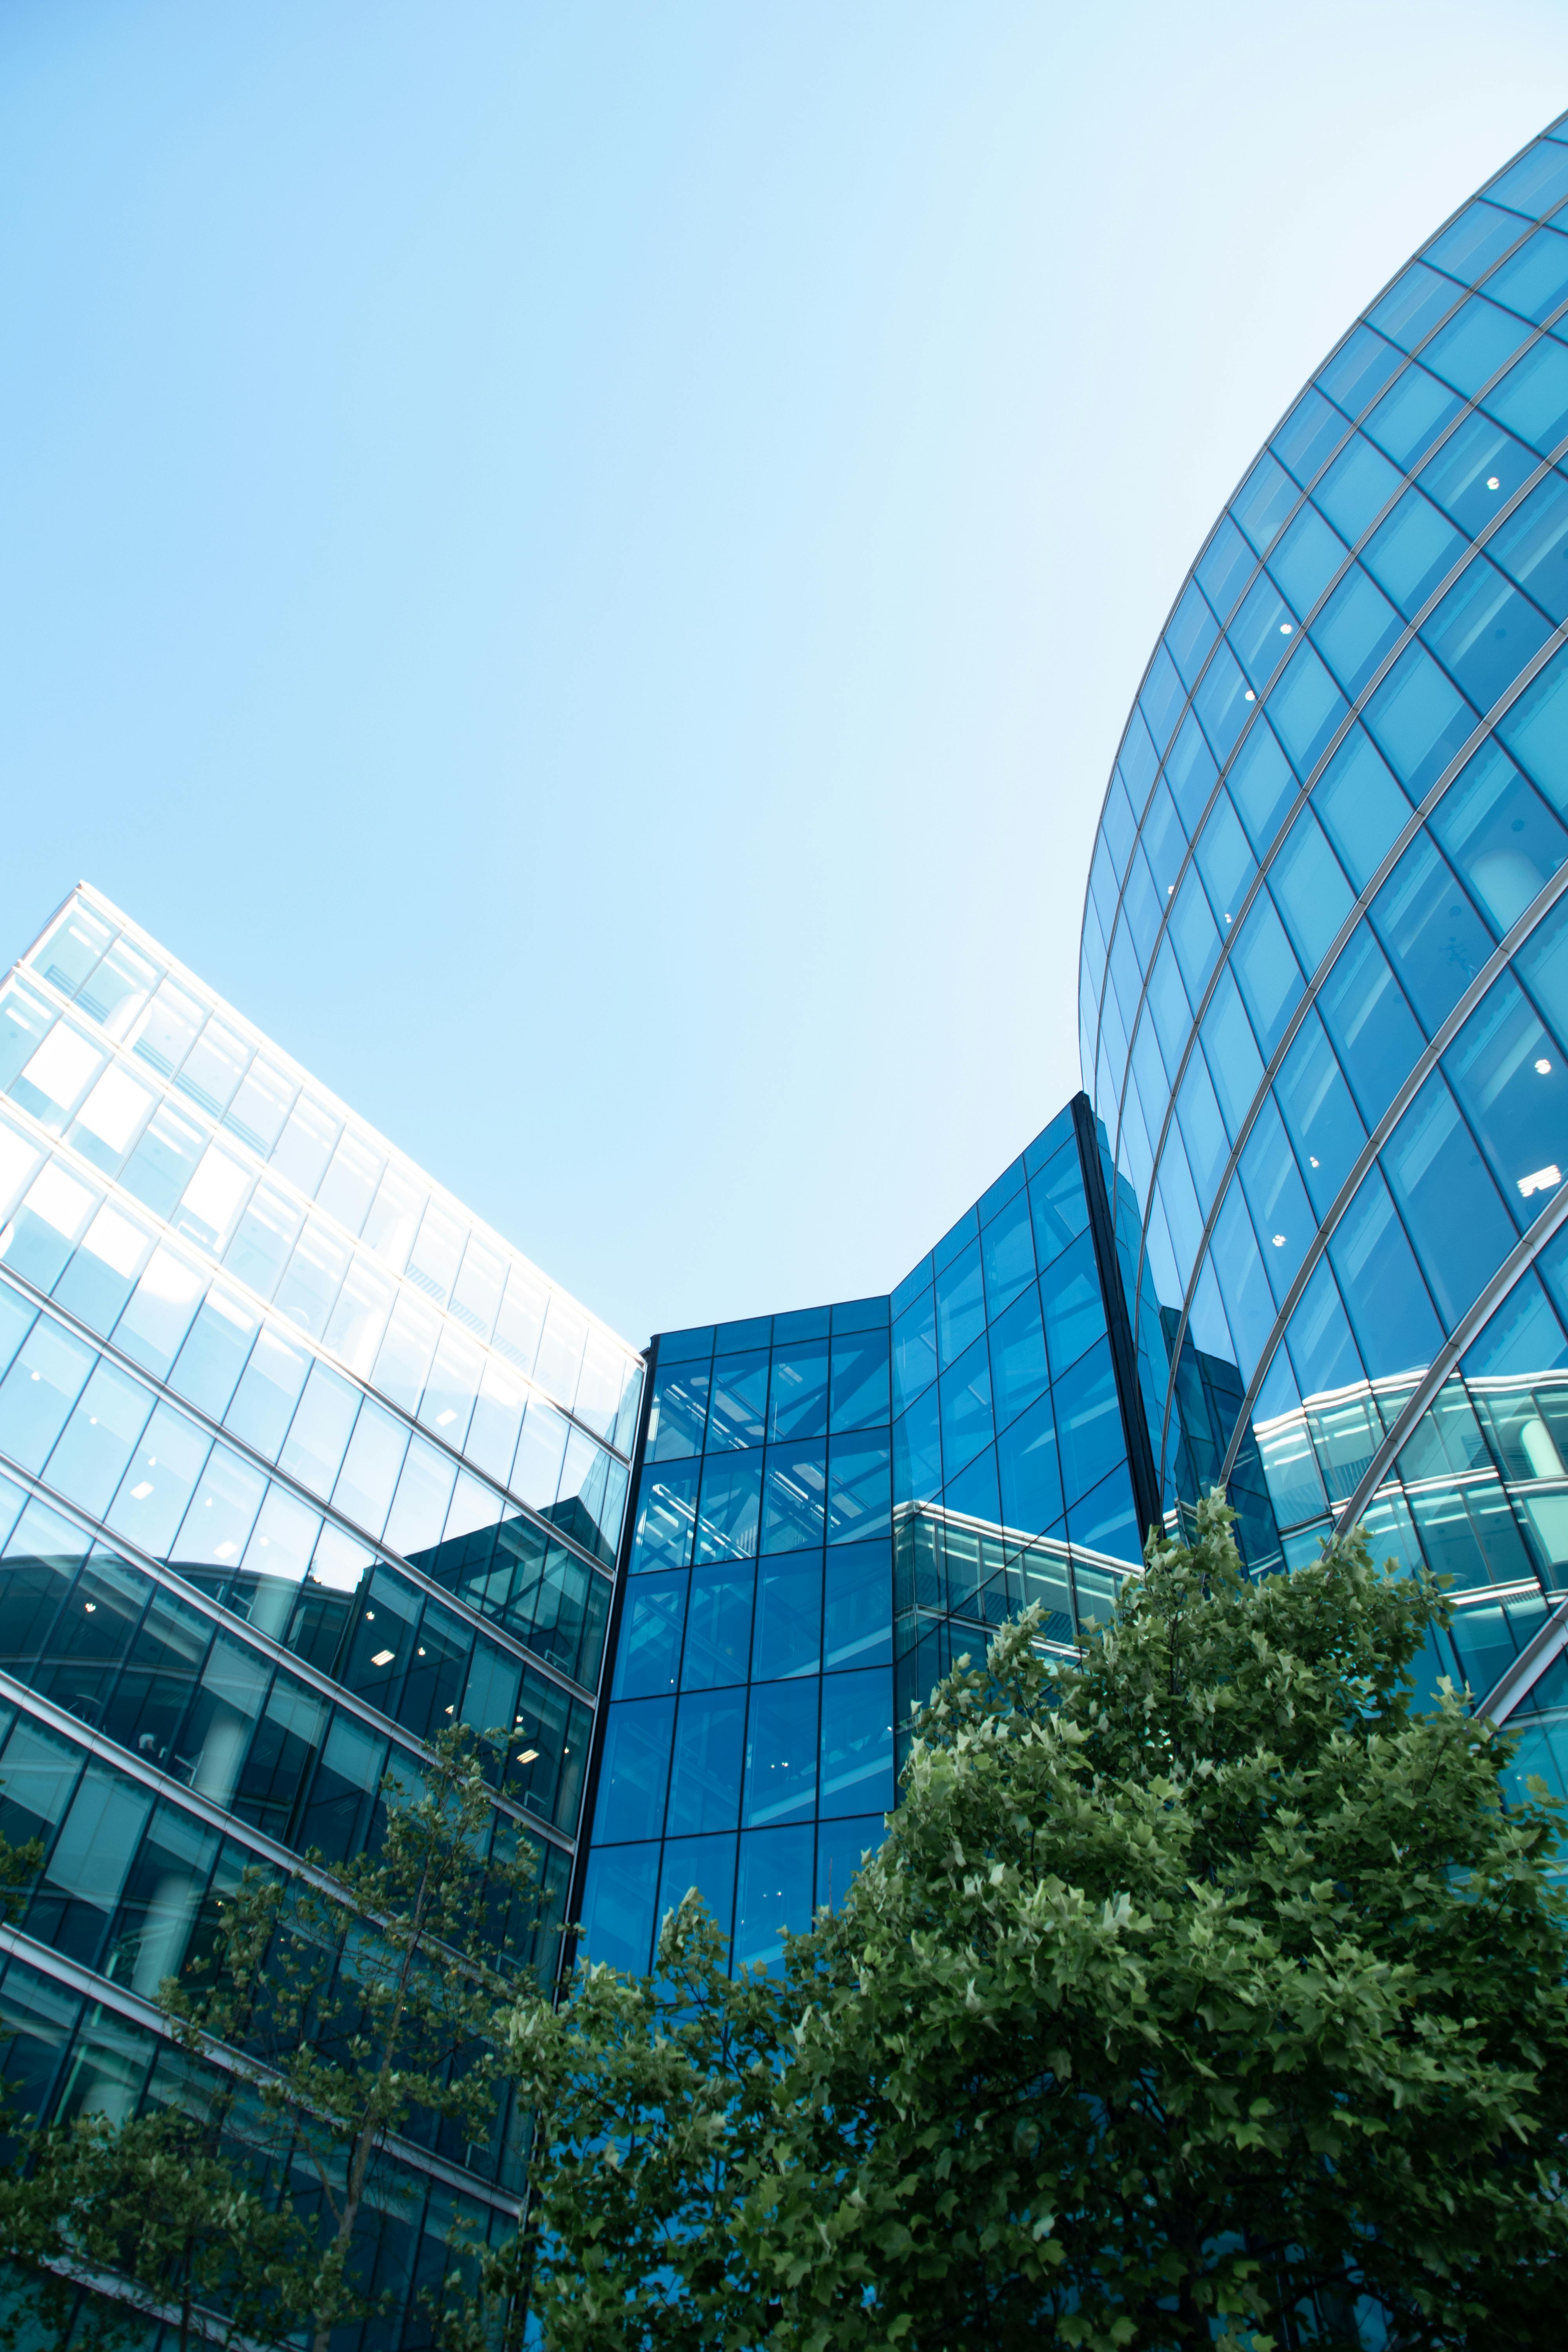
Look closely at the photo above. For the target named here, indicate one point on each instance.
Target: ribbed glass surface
(1323, 992)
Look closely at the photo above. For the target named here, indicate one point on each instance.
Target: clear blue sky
(585, 564)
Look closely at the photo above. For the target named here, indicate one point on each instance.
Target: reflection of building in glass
(833, 1505)
(298, 1462)
(1324, 980)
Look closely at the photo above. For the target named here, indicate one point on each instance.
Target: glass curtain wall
(298, 1463)
(1324, 978)
(831, 1505)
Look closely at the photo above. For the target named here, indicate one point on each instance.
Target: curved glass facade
(1323, 987)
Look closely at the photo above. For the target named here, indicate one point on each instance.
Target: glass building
(831, 1507)
(298, 1462)
(1324, 977)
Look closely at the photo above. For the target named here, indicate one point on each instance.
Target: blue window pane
(858, 1742)
(667, 1515)
(730, 1511)
(960, 1304)
(1075, 1312)
(737, 1409)
(858, 1615)
(1467, 248)
(1118, 825)
(795, 1514)
(1309, 887)
(1484, 631)
(1006, 1187)
(1534, 280)
(1230, 1049)
(1531, 547)
(1137, 761)
(859, 1486)
(1088, 1422)
(1374, 1033)
(1168, 1007)
(1056, 1201)
(1305, 559)
(1417, 719)
(1435, 941)
(1542, 965)
(1356, 487)
(1282, 1217)
(1191, 633)
(1164, 842)
(841, 1846)
(965, 1408)
(648, 1655)
(1190, 772)
(718, 1628)
(780, 1753)
(1008, 1251)
(1362, 807)
(917, 1452)
(705, 1767)
(1470, 349)
(1238, 1269)
(974, 1491)
(1499, 834)
(708, 1865)
(1261, 632)
(1412, 551)
(1162, 698)
(678, 1412)
(1267, 972)
(786, 1639)
(799, 1405)
(1193, 932)
(1203, 1130)
(1309, 434)
(1355, 629)
(1225, 566)
(1413, 306)
(1461, 1228)
(859, 1387)
(1411, 415)
(914, 1350)
(1305, 708)
(1264, 787)
(773, 1894)
(1030, 1469)
(634, 1771)
(1321, 1117)
(1222, 701)
(1536, 731)
(1324, 1354)
(1361, 365)
(1512, 1082)
(1537, 182)
(1523, 1335)
(1476, 472)
(913, 1285)
(619, 1908)
(1018, 1357)
(1532, 398)
(1106, 1521)
(1263, 502)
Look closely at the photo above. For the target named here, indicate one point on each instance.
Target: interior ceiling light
(1493, 483)
(384, 1657)
(1544, 1066)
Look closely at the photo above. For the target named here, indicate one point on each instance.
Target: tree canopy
(1208, 1987)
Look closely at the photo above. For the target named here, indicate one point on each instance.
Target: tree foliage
(1207, 1988)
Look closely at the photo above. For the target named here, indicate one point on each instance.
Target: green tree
(1203, 1989)
(333, 2010)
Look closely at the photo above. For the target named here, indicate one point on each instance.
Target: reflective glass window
(1191, 632)
(679, 1412)
(705, 1764)
(1088, 1422)
(1324, 1353)
(667, 1516)
(1484, 631)
(1499, 834)
(1375, 1035)
(1512, 1080)
(917, 1451)
(1309, 434)
(1468, 246)
(1532, 546)
(1418, 719)
(1118, 825)
(859, 1494)
(737, 1410)
(1235, 1255)
(1161, 698)
(1225, 566)
(1411, 415)
(858, 1615)
(780, 1753)
(1029, 1463)
(1267, 972)
(1435, 941)
(1355, 629)
(1361, 805)
(1409, 554)
(960, 1304)
(1223, 701)
(1534, 281)
(1537, 182)
(799, 1403)
(860, 1394)
(1476, 471)
(772, 1892)
(1203, 1130)
(1535, 729)
(1263, 502)
(1190, 772)
(1193, 934)
(1304, 709)
(857, 1763)
(1281, 1216)
(795, 1515)
(1356, 487)
(1263, 787)
(1319, 1112)
(730, 1514)
(707, 1863)
(914, 1350)
(1261, 632)
(618, 1904)
(1168, 1009)
(1449, 1201)
(786, 1636)
(1308, 887)
(718, 1628)
(1074, 1310)
(1476, 342)
(1532, 398)
(634, 1771)
(1307, 559)
(965, 1393)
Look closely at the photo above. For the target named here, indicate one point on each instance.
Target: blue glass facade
(830, 1505)
(1324, 977)
(298, 1463)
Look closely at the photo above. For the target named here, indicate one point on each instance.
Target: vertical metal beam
(1123, 1351)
